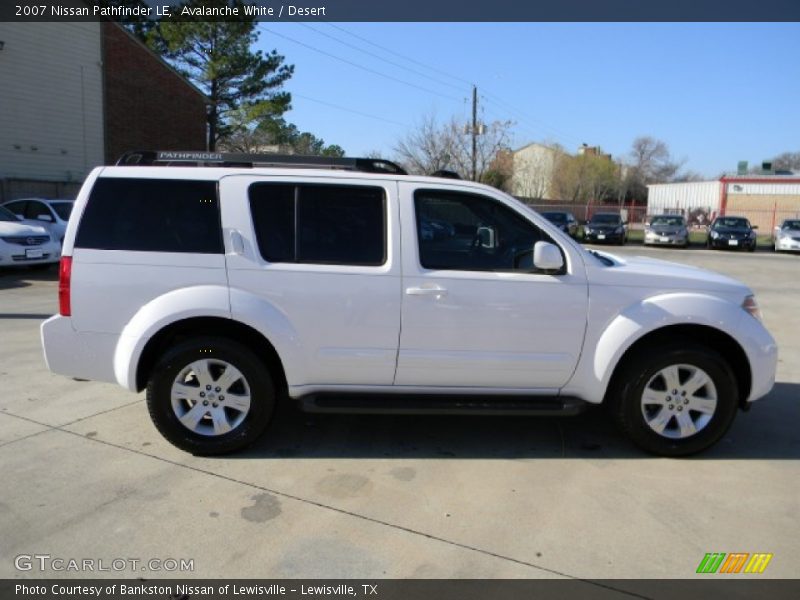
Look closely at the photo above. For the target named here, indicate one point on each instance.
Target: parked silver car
(667, 230)
(53, 215)
(787, 236)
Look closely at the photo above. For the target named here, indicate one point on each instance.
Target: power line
(358, 66)
(350, 110)
(390, 51)
(508, 108)
(386, 60)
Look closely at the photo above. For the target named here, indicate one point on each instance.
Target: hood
(18, 228)
(656, 274)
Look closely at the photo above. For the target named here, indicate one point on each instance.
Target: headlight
(714, 235)
(751, 306)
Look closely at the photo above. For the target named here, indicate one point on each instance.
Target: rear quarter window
(152, 215)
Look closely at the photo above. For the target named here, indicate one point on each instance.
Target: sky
(715, 93)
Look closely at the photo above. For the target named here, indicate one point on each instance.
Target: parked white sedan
(25, 244)
(787, 236)
(51, 214)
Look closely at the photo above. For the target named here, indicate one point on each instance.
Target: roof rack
(228, 159)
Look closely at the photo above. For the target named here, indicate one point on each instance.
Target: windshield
(605, 219)
(7, 215)
(555, 217)
(731, 222)
(63, 209)
(791, 224)
(668, 220)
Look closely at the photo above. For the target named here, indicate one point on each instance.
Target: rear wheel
(676, 401)
(210, 396)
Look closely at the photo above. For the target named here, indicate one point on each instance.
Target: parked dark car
(733, 233)
(564, 220)
(605, 227)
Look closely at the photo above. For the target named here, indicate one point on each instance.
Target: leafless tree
(787, 161)
(432, 146)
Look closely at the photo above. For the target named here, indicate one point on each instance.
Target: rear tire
(653, 401)
(210, 396)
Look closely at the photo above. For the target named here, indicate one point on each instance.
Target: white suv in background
(347, 285)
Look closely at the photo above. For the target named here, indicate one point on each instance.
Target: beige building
(51, 106)
(534, 166)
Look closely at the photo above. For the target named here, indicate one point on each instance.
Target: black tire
(625, 398)
(255, 374)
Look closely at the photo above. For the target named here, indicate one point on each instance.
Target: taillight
(64, 276)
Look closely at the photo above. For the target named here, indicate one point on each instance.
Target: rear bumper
(85, 355)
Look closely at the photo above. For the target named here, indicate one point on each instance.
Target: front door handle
(427, 290)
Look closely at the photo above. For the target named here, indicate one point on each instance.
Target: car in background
(564, 220)
(25, 244)
(667, 230)
(605, 227)
(53, 215)
(787, 236)
(733, 233)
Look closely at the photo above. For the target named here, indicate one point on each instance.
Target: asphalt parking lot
(85, 475)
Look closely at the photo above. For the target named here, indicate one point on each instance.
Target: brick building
(76, 95)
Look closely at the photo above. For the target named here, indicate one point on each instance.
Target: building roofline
(160, 59)
(548, 146)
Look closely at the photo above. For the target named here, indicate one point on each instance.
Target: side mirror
(647, 223)
(43, 217)
(547, 257)
(755, 226)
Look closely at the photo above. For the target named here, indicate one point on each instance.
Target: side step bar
(440, 404)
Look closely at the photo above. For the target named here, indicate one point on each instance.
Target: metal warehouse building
(764, 199)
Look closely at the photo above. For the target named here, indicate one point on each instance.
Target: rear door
(324, 253)
(475, 312)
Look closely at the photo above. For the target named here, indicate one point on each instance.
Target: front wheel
(676, 400)
(210, 396)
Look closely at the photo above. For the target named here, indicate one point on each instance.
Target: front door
(475, 312)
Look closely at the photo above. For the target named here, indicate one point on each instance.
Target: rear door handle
(427, 290)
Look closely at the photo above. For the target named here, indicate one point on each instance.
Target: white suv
(222, 285)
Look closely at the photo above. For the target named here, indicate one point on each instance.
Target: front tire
(210, 396)
(676, 401)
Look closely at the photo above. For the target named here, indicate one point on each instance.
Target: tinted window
(7, 215)
(468, 232)
(18, 208)
(156, 215)
(35, 209)
(605, 219)
(63, 209)
(320, 224)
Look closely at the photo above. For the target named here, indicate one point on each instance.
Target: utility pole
(474, 133)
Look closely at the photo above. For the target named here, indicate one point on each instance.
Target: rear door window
(152, 215)
(320, 224)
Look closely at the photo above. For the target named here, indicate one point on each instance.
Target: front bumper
(601, 236)
(787, 244)
(762, 354)
(16, 255)
(731, 244)
(657, 239)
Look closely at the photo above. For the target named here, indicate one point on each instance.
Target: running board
(437, 404)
